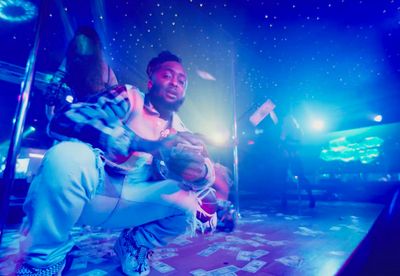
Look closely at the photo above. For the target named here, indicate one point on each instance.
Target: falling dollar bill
(262, 112)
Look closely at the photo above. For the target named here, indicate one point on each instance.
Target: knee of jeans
(66, 154)
(69, 162)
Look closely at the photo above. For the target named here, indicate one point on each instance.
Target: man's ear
(149, 85)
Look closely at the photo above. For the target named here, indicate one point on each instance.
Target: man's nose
(174, 81)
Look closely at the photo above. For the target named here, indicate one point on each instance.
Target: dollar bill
(226, 270)
(259, 239)
(208, 251)
(254, 243)
(255, 234)
(304, 231)
(244, 255)
(181, 241)
(162, 267)
(254, 266)
(259, 253)
(291, 261)
(335, 228)
(276, 243)
(163, 255)
(199, 272)
(165, 250)
(337, 253)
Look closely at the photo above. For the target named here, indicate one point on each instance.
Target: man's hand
(184, 155)
(187, 162)
(185, 138)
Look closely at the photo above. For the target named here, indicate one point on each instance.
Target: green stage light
(344, 149)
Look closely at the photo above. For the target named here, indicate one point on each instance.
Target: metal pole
(18, 124)
(235, 140)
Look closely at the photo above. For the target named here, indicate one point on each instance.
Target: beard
(160, 103)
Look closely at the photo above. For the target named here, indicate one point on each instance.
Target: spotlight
(318, 124)
(69, 98)
(219, 138)
(378, 118)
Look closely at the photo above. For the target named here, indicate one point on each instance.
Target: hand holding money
(183, 154)
(186, 161)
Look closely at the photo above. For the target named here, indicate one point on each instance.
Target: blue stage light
(17, 10)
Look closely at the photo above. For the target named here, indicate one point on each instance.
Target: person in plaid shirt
(102, 173)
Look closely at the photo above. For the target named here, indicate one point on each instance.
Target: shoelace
(142, 255)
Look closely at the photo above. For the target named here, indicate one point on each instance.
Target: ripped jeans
(73, 188)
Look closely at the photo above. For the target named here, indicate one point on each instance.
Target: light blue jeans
(72, 187)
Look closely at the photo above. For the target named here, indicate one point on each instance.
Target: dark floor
(267, 241)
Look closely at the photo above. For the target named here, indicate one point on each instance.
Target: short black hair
(162, 57)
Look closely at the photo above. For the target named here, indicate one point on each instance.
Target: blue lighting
(17, 10)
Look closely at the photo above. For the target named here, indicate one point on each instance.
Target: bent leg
(68, 177)
(159, 211)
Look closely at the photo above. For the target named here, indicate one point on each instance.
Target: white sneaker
(51, 270)
(134, 259)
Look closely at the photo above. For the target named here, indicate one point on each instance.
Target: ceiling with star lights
(338, 60)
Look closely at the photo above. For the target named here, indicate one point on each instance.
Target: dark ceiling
(338, 60)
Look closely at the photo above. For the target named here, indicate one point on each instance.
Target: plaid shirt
(97, 119)
(113, 116)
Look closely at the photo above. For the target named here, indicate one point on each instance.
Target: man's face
(168, 84)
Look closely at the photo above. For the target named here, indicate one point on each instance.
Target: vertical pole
(18, 125)
(235, 139)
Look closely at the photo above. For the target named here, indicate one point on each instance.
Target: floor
(267, 241)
